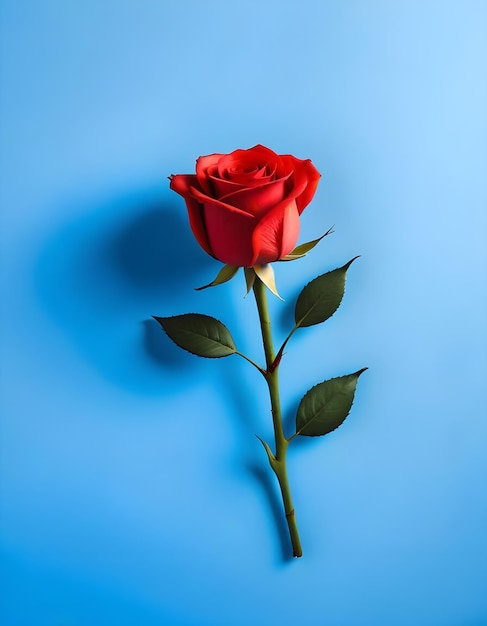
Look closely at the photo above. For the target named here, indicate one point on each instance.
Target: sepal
(226, 273)
(302, 250)
(249, 278)
(266, 275)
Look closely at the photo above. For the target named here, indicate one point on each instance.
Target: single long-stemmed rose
(244, 210)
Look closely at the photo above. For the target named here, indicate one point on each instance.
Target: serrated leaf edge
(343, 267)
(234, 349)
(358, 373)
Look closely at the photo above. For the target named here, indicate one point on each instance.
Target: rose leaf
(199, 334)
(325, 406)
(321, 297)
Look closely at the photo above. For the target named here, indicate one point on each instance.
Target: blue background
(133, 490)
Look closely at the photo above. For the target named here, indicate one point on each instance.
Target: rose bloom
(244, 207)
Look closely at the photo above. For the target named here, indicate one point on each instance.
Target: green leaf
(325, 406)
(321, 297)
(199, 334)
(302, 250)
(226, 273)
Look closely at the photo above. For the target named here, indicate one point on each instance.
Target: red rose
(244, 207)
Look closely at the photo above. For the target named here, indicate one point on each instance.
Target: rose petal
(226, 185)
(223, 187)
(239, 163)
(299, 181)
(276, 234)
(229, 233)
(203, 198)
(203, 164)
(197, 224)
(258, 200)
(312, 176)
(269, 157)
(285, 165)
(244, 165)
(247, 176)
(182, 184)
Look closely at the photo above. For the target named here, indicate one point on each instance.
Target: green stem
(277, 461)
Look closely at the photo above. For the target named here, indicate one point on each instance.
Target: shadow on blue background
(106, 269)
(110, 268)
